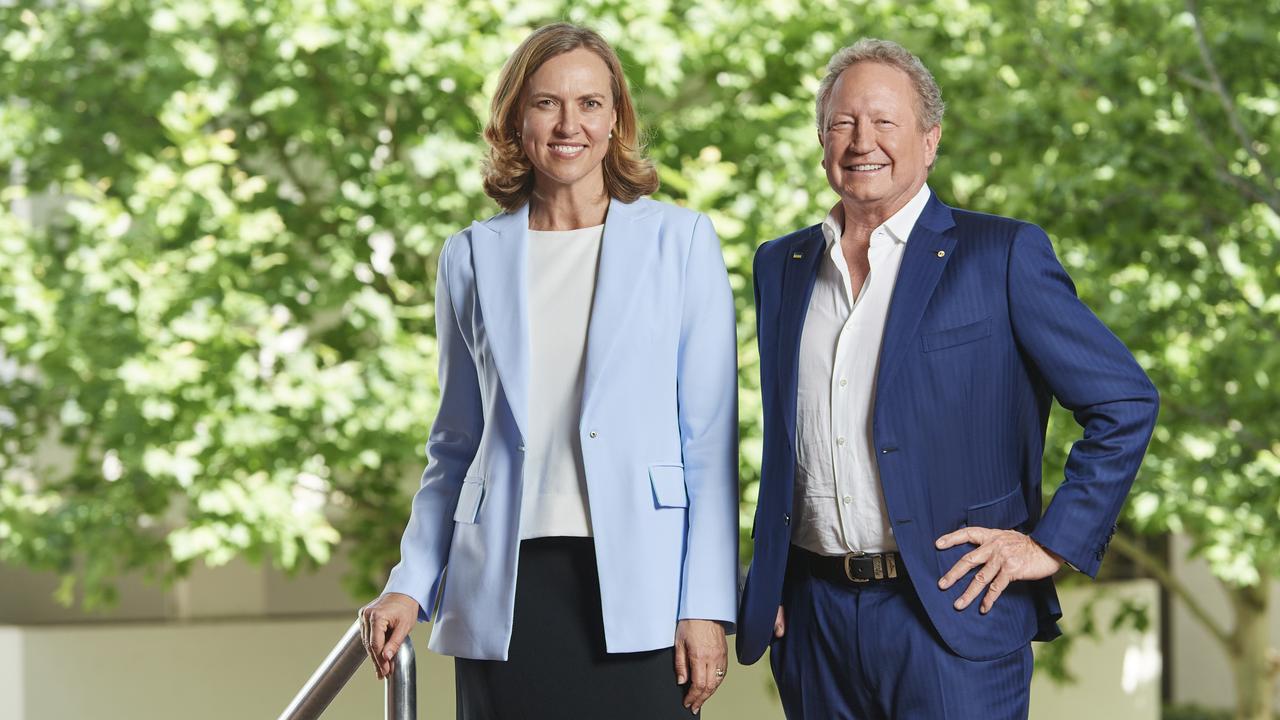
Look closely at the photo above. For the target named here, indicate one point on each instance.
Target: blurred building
(239, 641)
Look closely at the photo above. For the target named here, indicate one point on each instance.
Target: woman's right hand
(384, 624)
(779, 624)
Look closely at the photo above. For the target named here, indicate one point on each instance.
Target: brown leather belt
(853, 568)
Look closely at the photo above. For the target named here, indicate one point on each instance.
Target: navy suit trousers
(869, 652)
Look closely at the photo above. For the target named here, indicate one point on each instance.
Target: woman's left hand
(702, 658)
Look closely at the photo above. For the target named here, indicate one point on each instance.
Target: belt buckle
(848, 572)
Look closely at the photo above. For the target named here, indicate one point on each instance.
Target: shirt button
(840, 441)
(848, 499)
(593, 433)
(843, 382)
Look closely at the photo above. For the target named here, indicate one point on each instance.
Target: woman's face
(566, 115)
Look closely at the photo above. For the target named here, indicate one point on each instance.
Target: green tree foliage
(221, 220)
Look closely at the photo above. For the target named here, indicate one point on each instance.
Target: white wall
(193, 671)
(26, 597)
(251, 669)
(238, 589)
(1201, 673)
(12, 673)
(1119, 672)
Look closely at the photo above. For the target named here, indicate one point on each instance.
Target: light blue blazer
(659, 432)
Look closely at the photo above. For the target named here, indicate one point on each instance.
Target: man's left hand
(1002, 556)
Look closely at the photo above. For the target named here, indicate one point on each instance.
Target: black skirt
(557, 666)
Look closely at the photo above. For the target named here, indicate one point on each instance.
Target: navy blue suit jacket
(984, 331)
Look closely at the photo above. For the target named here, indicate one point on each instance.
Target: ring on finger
(719, 672)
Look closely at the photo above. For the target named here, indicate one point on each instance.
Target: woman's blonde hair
(508, 174)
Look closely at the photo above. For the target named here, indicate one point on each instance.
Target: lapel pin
(797, 256)
(942, 253)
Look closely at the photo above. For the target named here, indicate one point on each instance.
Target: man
(909, 355)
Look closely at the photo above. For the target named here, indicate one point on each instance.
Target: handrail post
(343, 662)
(402, 686)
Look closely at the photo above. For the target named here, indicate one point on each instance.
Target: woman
(582, 483)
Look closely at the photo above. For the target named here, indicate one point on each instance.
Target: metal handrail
(343, 661)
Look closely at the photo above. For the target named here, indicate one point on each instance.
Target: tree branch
(1267, 196)
(1248, 189)
(1218, 418)
(277, 142)
(1130, 549)
(1196, 81)
(280, 145)
(1220, 89)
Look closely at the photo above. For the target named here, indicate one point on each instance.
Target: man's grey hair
(929, 105)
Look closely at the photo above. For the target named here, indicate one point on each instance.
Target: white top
(562, 284)
(839, 504)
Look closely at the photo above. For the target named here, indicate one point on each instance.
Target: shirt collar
(899, 225)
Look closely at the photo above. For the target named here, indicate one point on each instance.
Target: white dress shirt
(839, 504)
(562, 283)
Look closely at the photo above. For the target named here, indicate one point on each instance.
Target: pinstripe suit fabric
(869, 653)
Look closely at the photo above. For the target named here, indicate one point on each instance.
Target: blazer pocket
(1004, 513)
(469, 500)
(956, 336)
(668, 486)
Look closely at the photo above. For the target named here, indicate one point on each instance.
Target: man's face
(875, 152)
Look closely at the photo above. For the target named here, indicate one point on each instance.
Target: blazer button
(786, 519)
(520, 447)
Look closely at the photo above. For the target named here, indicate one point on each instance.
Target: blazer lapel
(499, 251)
(627, 247)
(798, 278)
(928, 250)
